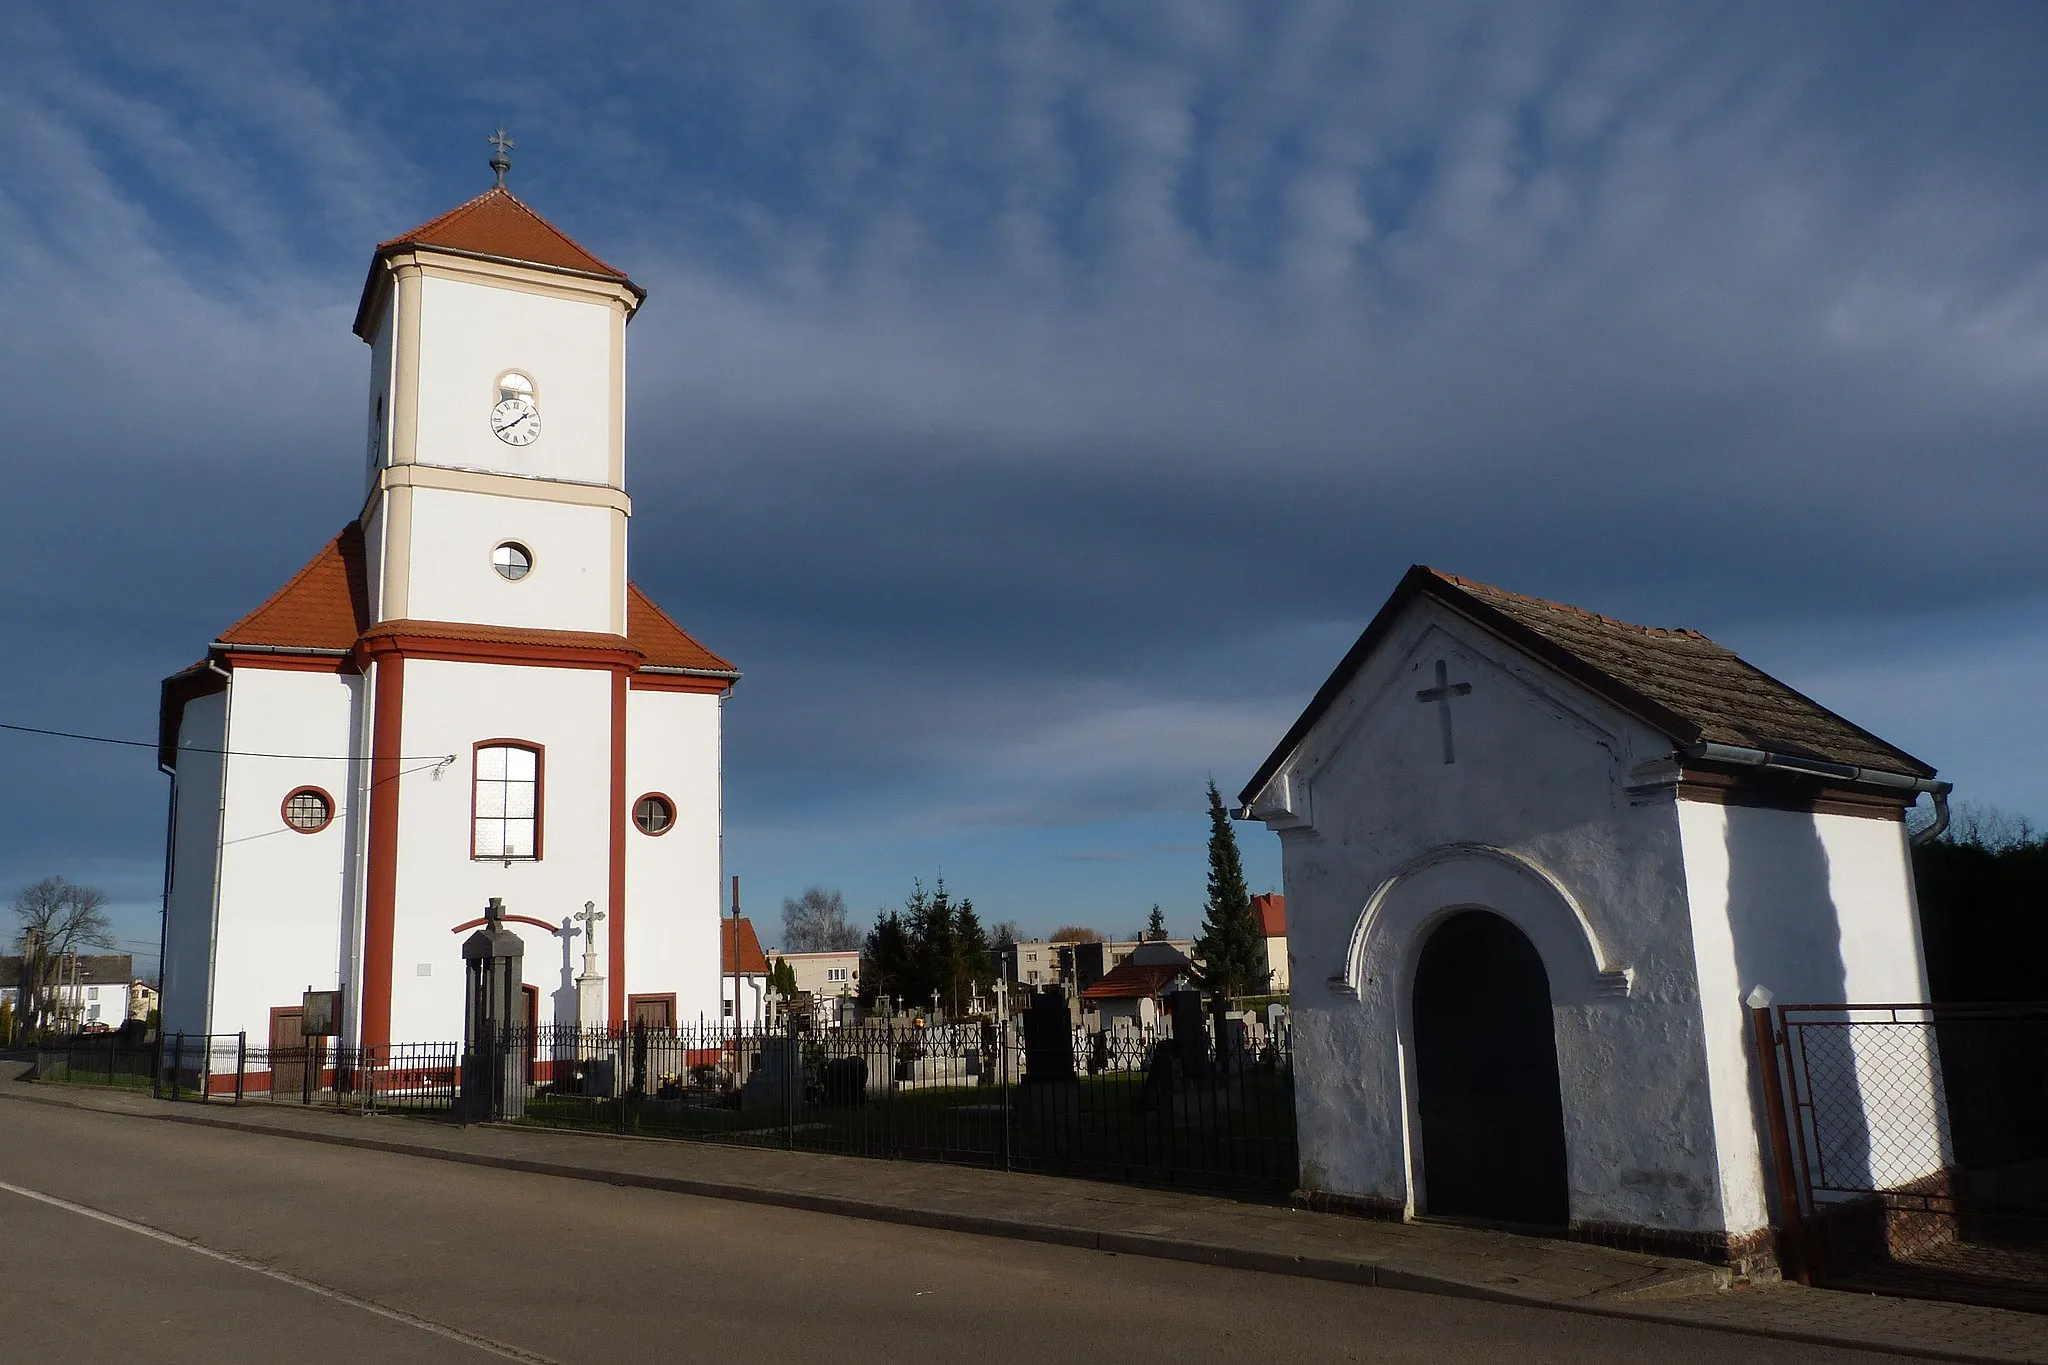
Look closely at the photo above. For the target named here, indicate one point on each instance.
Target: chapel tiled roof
(1271, 912)
(1136, 981)
(753, 962)
(497, 223)
(1676, 681)
(1716, 692)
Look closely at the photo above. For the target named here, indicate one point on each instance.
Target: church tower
(476, 699)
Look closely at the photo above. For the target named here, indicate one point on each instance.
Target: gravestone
(775, 1085)
(1190, 1032)
(1051, 1092)
(1233, 1042)
(1048, 1039)
(845, 1082)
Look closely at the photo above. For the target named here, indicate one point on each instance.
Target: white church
(461, 696)
(1537, 860)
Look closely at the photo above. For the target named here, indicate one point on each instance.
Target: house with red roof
(1270, 910)
(1134, 991)
(461, 695)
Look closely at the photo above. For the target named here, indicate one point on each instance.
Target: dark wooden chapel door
(1486, 1072)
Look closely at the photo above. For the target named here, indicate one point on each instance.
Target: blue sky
(1036, 400)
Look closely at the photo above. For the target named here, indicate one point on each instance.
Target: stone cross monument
(590, 1001)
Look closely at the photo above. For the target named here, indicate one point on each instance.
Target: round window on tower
(308, 810)
(513, 385)
(512, 560)
(653, 814)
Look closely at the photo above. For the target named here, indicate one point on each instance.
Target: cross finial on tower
(499, 161)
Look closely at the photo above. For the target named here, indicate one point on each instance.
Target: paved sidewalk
(1423, 1257)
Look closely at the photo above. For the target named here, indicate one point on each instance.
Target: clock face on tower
(516, 421)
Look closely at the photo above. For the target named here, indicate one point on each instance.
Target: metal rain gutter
(1737, 756)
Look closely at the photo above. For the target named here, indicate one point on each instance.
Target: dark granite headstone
(1048, 1039)
(1190, 1033)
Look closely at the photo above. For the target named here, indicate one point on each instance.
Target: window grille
(308, 810)
(507, 802)
(652, 814)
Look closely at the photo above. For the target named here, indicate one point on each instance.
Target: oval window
(512, 560)
(309, 810)
(652, 814)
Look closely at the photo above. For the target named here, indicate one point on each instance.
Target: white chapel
(461, 696)
(1537, 860)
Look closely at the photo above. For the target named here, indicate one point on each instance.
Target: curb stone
(1362, 1273)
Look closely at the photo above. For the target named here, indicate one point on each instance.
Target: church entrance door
(1486, 1073)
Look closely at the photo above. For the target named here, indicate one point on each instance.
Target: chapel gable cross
(1441, 694)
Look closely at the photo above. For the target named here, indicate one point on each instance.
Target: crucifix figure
(591, 916)
(499, 161)
(1441, 694)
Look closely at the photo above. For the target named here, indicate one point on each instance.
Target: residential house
(90, 990)
(742, 972)
(1271, 912)
(832, 980)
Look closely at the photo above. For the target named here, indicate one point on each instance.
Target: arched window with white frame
(507, 804)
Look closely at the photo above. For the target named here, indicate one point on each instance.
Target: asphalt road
(172, 1243)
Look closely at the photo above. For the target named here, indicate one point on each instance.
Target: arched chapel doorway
(1486, 1076)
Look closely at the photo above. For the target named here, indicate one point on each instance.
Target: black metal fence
(224, 1068)
(1211, 1109)
(1134, 1104)
(1920, 1138)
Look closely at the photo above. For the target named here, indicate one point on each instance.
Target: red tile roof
(1271, 911)
(655, 634)
(496, 223)
(753, 962)
(1678, 682)
(1137, 981)
(326, 606)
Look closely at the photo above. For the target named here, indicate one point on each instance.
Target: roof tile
(753, 962)
(497, 223)
(1730, 700)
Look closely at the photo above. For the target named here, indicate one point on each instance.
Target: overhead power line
(231, 753)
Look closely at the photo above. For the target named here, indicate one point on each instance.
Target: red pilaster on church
(617, 974)
(380, 901)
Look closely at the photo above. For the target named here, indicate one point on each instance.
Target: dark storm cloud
(1035, 402)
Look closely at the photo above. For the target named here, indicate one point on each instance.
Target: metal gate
(1919, 1137)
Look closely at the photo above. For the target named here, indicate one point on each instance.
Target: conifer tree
(1155, 925)
(1232, 950)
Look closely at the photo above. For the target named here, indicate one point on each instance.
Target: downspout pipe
(1735, 755)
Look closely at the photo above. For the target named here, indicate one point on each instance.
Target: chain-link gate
(1919, 1143)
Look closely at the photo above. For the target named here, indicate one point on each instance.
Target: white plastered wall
(284, 895)
(448, 709)
(1535, 821)
(571, 587)
(195, 846)
(470, 334)
(1819, 909)
(672, 887)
